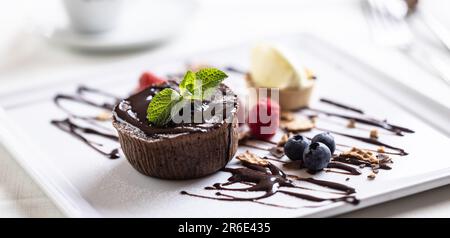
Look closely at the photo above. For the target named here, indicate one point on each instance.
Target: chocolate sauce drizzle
(341, 168)
(340, 105)
(77, 131)
(79, 98)
(349, 170)
(270, 180)
(401, 151)
(398, 130)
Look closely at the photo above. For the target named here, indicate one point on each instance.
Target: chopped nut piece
(313, 119)
(297, 125)
(249, 157)
(284, 139)
(360, 154)
(371, 176)
(351, 123)
(277, 151)
(243, 135)
(296, 164)
(381, 149)
(287, 116)
(374, 134)
(104, 116)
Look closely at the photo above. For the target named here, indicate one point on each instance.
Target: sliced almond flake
(243, 136)
(297, 125)
(371, 176)
(104, 116)
(249, 157)
(277, 151)
(284, 139)
(351, 123)
(296, 164)
(287, 116)
(361, 154)
(373, 134)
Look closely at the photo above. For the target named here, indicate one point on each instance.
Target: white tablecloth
(25, 59)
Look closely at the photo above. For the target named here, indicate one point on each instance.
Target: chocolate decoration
(270, 180)
(398, 130)
(372, 141)
(77, 131)
(340, 105)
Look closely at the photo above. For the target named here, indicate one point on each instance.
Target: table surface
(215, 23)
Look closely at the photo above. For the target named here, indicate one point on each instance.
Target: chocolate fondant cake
(177, 150)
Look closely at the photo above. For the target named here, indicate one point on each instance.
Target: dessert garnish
(295, 147)
(365, 158)
(341, 105)
(327, 139)
(200, 86)
(372, 141)
(79, 132)
(274, 67)
(263, 119)
(351, 123)
(373, 134)
(287, 116)
(277, 151)
(79, 126)
(316, 156)
(148, 79)
(297, 125)
(368, 121)
(262, 176)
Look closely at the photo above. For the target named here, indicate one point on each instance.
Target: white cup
(93, 16)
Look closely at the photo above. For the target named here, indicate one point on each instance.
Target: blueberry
(316, 156)
(295, 147)
(327, 139)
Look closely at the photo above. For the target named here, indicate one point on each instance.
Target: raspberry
(264, 119)
(148, 79)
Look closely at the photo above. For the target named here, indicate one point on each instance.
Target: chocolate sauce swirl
(401, 151)
(270, 179)
(78, 131)
(398, 130)
(340, 105)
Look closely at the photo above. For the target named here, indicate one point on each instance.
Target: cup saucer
(141, 24)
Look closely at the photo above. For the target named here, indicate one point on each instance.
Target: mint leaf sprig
(194, 86)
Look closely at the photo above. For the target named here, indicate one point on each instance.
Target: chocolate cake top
(197, 116)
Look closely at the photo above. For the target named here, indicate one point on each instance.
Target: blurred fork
(389, 28)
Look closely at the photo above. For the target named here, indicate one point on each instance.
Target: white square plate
(84, 183)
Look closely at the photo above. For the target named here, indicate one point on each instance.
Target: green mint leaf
(187, 84)
(201, 84)
(160, 108)
(210, 78)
